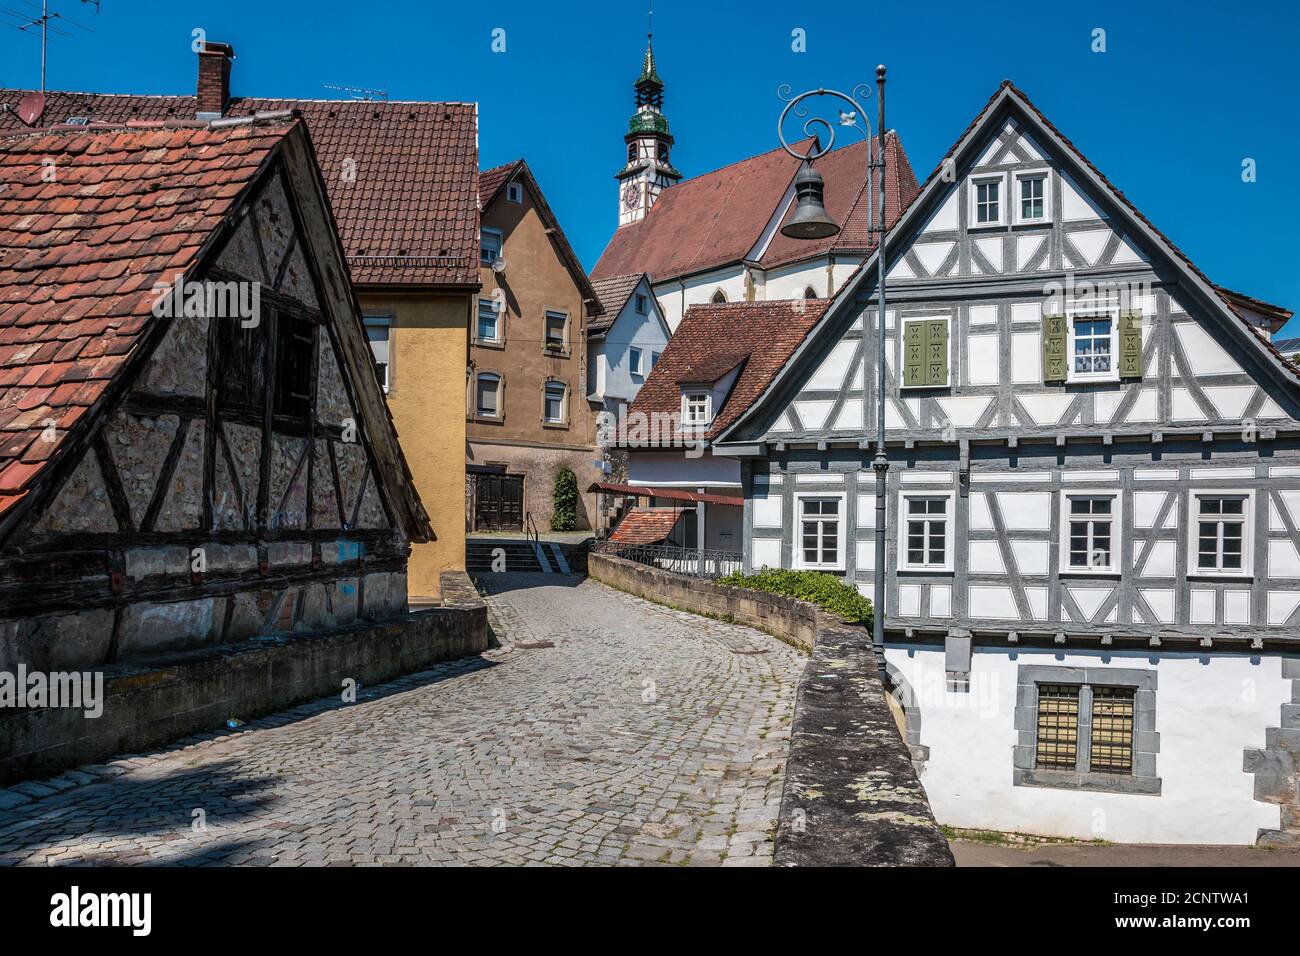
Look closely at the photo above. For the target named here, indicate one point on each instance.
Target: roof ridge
(261, 118)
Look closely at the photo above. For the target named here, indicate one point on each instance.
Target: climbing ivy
(564, 502)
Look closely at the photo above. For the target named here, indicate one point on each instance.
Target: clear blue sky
(1185, 91)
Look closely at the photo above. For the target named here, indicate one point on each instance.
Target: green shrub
(822, 589)
(564, 502)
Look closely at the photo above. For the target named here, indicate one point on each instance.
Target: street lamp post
(811, 221)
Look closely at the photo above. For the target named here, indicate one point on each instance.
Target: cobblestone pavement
(603, 730)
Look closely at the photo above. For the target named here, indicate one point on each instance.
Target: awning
(668, 494)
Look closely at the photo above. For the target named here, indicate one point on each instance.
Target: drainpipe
(699, 533)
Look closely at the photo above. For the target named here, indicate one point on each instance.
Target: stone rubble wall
(150, 702)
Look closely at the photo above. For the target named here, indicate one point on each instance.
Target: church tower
(649, 170)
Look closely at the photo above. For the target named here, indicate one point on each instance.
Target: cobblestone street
(602, 730)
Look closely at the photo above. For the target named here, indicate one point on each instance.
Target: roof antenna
(43, 21)
(359, 92)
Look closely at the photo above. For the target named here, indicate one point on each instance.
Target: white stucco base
(1209, 710)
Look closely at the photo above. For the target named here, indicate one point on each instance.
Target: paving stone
(641, 736)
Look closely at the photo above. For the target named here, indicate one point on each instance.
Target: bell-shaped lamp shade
(810, 219)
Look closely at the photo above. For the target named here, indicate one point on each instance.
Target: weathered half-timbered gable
(1093, 451)
(234, 474)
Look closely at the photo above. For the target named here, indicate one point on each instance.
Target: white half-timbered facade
(1093, 542)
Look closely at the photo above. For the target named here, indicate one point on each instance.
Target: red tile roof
(848, 207)
(401, 176)
(718, 218)
(643, 526)
(491, 180)
(761, 334)
(79, 256)
(613, 293)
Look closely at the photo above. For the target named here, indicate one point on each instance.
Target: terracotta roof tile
(613, 293)
(80, 304)
(719, 217)
(401, 176)
(644, 526)
(762, 335)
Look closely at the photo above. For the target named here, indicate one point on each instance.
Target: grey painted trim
(997, 471)
(1007, 104)
(1146, 741)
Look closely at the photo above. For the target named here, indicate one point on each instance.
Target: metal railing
(530, 529)
(709, 563)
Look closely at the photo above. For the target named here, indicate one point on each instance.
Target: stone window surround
(474, 415)
(563, 422)
(1146, 741)
(564, 349)
(500, 341)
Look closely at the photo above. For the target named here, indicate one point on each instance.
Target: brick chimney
(214, 79)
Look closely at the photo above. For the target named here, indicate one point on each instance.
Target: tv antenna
(359, 92)
(49, 23)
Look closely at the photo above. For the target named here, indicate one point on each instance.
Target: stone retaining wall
(851, 795)
(148, 703)
(793, 621)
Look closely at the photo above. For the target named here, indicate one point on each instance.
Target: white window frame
(484, 232)
(1116, 532)
(515, 192)
(1043, 173)
(687, 395)
(1085, 313)
(798, 562)
(564, 401)
(497, 313)
(384, 321)
(547, 315)
(1194, 570)
(478, 410)
(950, 546)
(973, 191)
(635, 364)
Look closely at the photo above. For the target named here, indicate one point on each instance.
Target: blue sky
(1184, 92)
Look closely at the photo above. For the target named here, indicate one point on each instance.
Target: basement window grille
(1058, 726)
(1112, 730)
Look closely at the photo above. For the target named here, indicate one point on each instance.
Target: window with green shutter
(1130, 345)
(925, 353)
(1055, 336)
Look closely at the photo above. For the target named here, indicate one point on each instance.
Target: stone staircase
(513, 555)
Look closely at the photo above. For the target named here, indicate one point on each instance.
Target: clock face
(630, 196)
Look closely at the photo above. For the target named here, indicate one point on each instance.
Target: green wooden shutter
(1130, 345)
(1054, 342)
(936, 352)
(913, 354)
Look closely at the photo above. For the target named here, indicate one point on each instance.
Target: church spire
(649, 143)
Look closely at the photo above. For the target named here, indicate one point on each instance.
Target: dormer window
(697, 409)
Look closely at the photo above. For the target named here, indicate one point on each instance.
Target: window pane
(487, 395)
(1112, 730)
(1058, 727)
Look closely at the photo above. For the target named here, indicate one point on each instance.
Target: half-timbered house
(1093, 542)
(194, 447)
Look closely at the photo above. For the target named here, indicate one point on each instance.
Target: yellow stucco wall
(427, 357)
